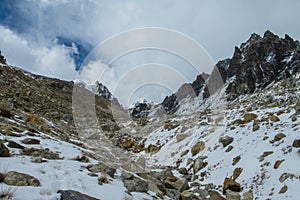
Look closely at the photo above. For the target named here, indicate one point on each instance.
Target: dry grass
(7, 192)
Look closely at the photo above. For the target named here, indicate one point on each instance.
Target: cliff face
(254, 65)
(2, 59)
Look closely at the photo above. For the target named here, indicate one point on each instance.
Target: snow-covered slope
(261, 130)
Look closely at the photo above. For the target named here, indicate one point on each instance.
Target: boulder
(248, 195)
(30, 141)
(103, 168)
(128, 143)
(279, 136)
(176, 183)
(230, 184)
(13, 144)
(198, 165)
(187, 195)
(5, 113)
(43, 153)
(162, 175)
(278, 163)
(20, 179)
(74, 195)
(199, 146)
(232, 195)
(181, 136)
(2, 177)
(249, 117)
(133, 183)
(274, 118)
(297, 107)
(236, 173)
(214, 195)
(183, 171)
(226, 140)
(33, 119)
(283, 190)
(296, 143)
(255, 126)
(4, 152)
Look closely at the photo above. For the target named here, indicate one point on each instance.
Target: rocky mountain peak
(2, 59)
(254, 65)
(260, 61)
(103, 91)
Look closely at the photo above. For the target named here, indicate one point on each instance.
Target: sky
(54, 37)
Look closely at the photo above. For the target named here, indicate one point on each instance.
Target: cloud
(217, 25)
(51, 61)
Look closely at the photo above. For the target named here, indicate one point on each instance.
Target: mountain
(2, 59)
(140, 108)
(230, 135)
(254, 65)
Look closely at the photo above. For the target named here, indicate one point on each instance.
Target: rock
(232, 195)
(230, 184)
(248, 117)
(102, 179)
(248, 196)
(279, 136)
(255, 126)
(170, 103)
(171, 178)
(33, 119)
(20, 179)
(30, 141)
(278, 163)
(283, 190)
(183, 171)
(43, 153)
(153, 149)
(5, 113)
(2, 59)
(81, 158)
(67, 117)
(128, 143)
(296, 143)
(163, 174)
(202, 193)
(4, 151)
(133, 183)
(184, 153)
(170, 125)
(13, 144)
(294, 118)
(265, 154)
(176, 183)
(226, 140)
(103, 168)
(198, 165)
(187, 195)
(199, 146)
(274, 118)
(74, 195)
(214, 195)
(2, 177)
(181, 136)
(229, 148)
(236, 173)
(236, 160)
(285, 176)
(297, 107)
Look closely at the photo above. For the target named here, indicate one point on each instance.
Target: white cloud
(51, 61)
(217, 26)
